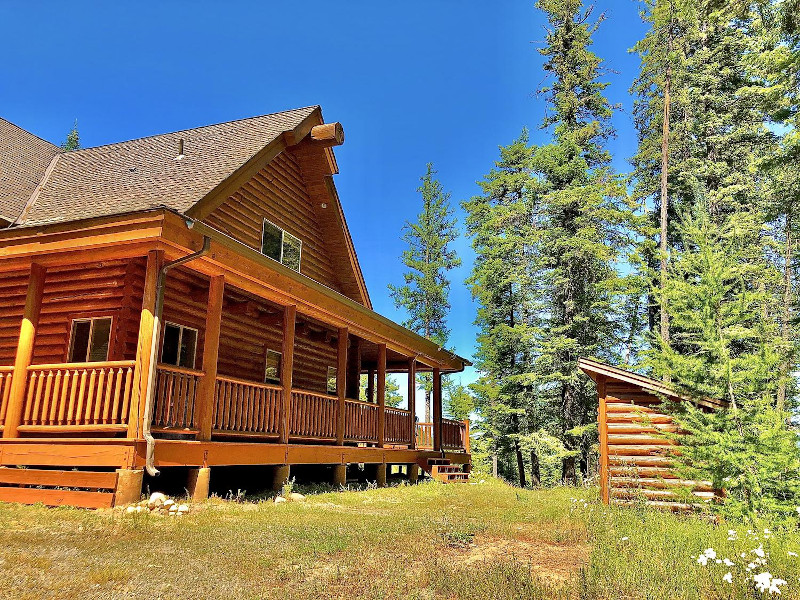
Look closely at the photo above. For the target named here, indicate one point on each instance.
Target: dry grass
(426, 541)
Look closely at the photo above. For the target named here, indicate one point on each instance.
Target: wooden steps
(55, 487)
(442, 471)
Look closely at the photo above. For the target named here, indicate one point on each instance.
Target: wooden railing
(425, 436)
(246, 406)
(82, 395)
(175, 396)
(360, 421)
(5, 390)
(455, 435)
(398, 426)
(312, 415)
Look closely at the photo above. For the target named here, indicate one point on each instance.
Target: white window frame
(284, 233)
(277, 378)
(180, 344)
(91, 321)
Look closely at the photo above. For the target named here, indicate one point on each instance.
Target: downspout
(151, 375)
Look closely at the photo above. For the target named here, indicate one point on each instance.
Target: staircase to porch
(441, 470)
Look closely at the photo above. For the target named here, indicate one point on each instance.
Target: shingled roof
(24, 159)
(128, 176)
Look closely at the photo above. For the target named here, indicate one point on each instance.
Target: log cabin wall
(638, 452)
(111, 288)
(13, 287)
(278, 193)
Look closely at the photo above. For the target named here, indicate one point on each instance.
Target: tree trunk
(536, 475)
(568, 475)
(520, 464)
(494, 464)
(780, 404)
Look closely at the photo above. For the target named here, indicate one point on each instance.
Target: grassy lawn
(428, 541)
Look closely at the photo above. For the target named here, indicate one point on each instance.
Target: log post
(466, 436)
(199, 483)
(412, 400)
(602, 425)
(341, 381)
(206, 396)
(381, 395)
(287, 367)
(27, 336)
(437, 410)
(144, 346)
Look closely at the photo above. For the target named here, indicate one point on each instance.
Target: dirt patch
(553, 563)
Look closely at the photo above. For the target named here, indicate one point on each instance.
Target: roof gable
(147, 172)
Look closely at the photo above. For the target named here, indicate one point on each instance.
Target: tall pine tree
(583, 219)
(425, 292)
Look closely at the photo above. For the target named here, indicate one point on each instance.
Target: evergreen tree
(425, 292)
(73, 141)
(583, 229)
(392, 395)
(500, 224)
(729, 347)
(459, 402)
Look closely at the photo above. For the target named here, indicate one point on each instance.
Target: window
(272, 372)
(331, 380)
(281, 245)
(180, 346)
(90, 339)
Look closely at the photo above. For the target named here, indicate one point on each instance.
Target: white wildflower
(766, 583)
(759, 551)
(790, 553)
(708, 554)
(625, 539)
(728, 577)
(728, 562)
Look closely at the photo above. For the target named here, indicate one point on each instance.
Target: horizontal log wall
(640, 463)
(278, 193)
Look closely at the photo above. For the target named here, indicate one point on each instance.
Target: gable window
(180, 346)
(272, 372)
(89, 339)
(331, 387)
(281, 245)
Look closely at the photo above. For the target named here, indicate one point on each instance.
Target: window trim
(91, 319)
(284, 233)
(180, 340)
(277, 379)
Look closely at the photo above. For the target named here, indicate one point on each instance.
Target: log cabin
(637, 459)
(194, 300)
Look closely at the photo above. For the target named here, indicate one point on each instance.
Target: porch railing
(80, 395)
(312, 415)
(175, 397)
(425, 436)
(246, 406)
(5, 390)
(455, 435)
(398, 426)
(360, 421)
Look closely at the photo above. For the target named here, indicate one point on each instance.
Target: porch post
(381, 395)
(287, 366)
(353, 379)
(437, 410)
(412, 400)
(208, 383)
(341, 382)
(144, 347)
(27, 334)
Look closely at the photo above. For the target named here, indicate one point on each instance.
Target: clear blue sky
(440, 81)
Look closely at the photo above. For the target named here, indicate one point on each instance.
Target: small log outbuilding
(636, 457)
(194, 300)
